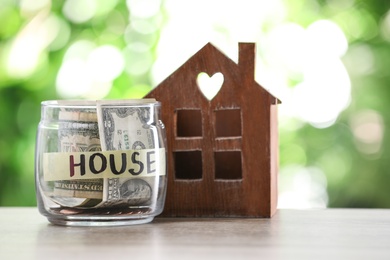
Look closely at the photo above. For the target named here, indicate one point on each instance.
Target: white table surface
(290, 234)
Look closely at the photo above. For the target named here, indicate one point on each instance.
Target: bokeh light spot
(137, 62)
(143, 8)
(360, 60)
(326, 38)
(336, 162)
(88, 71)
(368, 129)
(324, 93)
(302, 188)
(79, 11)
(105, 63)
(28, 46)
(60, 31)
(32, 6)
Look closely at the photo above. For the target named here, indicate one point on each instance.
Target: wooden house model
(223, 152)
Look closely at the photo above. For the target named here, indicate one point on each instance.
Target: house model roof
(211, 60)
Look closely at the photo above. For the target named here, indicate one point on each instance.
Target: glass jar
(100, 163)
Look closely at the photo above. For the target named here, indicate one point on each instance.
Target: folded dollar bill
(127, 125)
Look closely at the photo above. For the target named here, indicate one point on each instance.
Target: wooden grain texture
(255, 193)
(291, 234)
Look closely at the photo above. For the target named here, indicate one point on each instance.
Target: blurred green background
(327, 60)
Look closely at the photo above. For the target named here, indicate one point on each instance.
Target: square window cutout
(189, 123)
(228, 165)
(188, 165)
(228, 122)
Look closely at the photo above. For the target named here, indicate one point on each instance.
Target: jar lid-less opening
(93, 103)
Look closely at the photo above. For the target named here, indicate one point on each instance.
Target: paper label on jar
(104, 164)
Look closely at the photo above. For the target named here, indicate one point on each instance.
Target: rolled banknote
(128, 125)
(78, 132)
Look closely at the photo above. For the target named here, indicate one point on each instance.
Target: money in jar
(100, 163)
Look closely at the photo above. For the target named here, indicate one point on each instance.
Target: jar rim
(93, 103)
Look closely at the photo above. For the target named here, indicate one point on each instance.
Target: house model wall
(223, 152)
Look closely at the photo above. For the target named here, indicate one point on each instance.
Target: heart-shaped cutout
(210, 86)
